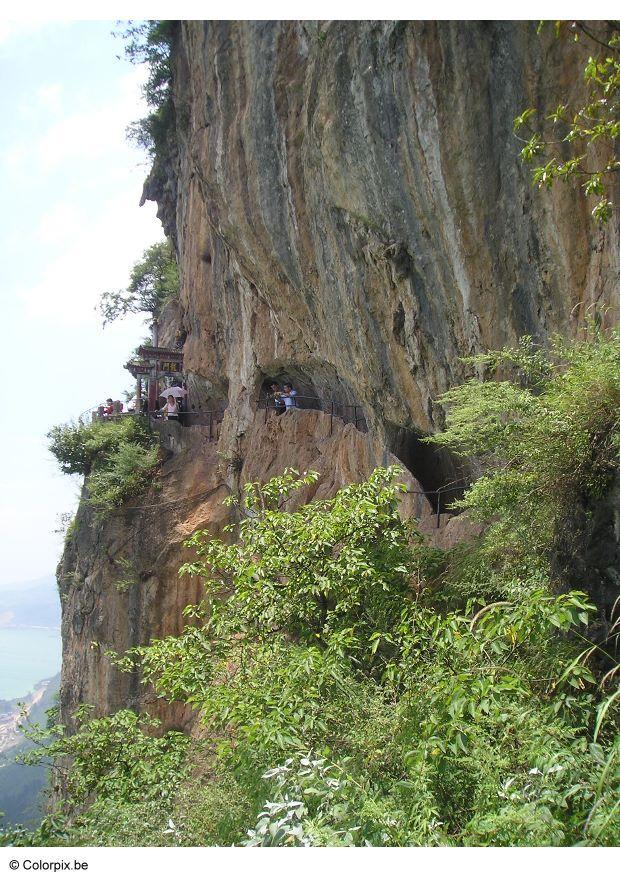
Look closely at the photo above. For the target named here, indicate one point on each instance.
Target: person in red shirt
(108, 410)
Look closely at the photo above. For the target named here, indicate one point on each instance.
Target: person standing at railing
(288, 396)
(170, 409)
(112, 408)
(276, 394)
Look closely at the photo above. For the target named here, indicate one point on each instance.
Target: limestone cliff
(350, 212)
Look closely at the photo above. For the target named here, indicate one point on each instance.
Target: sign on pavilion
(156, 362)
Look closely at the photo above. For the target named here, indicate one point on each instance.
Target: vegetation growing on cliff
(547, 437)
(150, 43)
(374, 715)
(153, 282)
(114, 762)
(358, 687)
(577, 139)
(118, 458)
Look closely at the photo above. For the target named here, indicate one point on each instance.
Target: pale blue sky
(70, 229)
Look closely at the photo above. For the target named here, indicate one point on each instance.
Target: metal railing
(346, 412)
(209, 419)
(113, 417)
(449, 487)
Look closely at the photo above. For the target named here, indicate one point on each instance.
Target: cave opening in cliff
(318, 387)
(307, 394)
(439, 473)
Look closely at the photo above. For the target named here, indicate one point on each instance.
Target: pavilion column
(154, 383)
(153, 394)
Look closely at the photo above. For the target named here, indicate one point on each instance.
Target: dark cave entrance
(440, 474)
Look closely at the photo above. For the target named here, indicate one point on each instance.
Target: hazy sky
(71, 228)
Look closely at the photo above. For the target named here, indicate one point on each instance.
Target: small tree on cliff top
(153, 282)
(149, 43)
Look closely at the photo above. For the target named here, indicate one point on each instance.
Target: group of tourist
(172, 408)
(283, 397)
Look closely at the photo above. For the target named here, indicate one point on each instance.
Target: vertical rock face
(119, 583)
(350, 208)
(350, 213)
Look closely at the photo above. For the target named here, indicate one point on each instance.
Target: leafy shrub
(427, 726)
(118, 458)
(317, 803)
(113, 757)
(81, 448)
(113, 770)
(127, 472)
(548, 439)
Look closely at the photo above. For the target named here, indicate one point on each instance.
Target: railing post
(438, 506)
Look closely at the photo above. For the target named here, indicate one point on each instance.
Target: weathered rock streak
(350, 208)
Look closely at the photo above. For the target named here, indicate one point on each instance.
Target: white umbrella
(175, 391)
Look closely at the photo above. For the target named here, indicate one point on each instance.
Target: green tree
(115, 774)
(118, 458)
(115, 756)
(153, 282)
(150, 43)
(376, 715)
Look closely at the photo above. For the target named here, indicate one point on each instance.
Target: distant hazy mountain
(33, 603)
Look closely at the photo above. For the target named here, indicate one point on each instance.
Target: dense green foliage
(128, 774)
(357, 687)
(547, 437)
(577, 140)
(118, 457)
(22, 790)
(374, 716)
(81, 448)
(153, 282)
(111, 756)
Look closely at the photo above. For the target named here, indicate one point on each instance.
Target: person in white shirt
(288, 396)
(170, 409)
